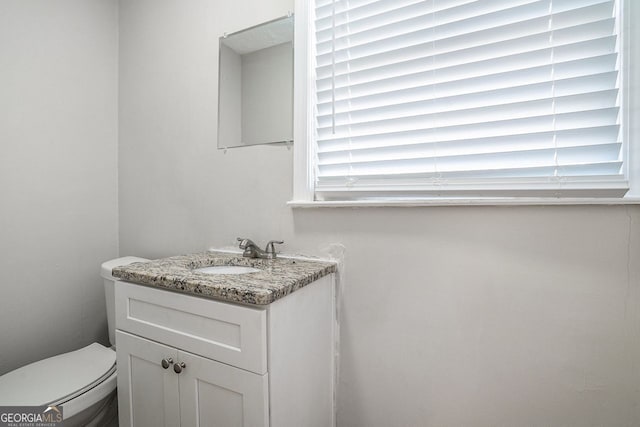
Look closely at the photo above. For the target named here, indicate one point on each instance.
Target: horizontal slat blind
(467, 96)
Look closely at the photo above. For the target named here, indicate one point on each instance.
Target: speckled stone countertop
(278, 277)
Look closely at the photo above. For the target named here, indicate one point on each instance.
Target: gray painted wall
(455, 316)
(58, 174)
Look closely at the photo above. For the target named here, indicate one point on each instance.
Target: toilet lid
(52, 379)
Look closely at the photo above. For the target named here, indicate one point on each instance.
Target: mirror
(255, 85)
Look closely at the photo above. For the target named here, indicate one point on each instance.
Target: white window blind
(468, 98)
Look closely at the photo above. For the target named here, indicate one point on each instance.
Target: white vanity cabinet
(190, 361)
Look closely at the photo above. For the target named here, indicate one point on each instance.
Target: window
(459, 98)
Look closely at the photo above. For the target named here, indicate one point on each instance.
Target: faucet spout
(251, 250)
(245, 243)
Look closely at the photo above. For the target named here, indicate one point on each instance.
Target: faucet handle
(271, 248)
(245, 243)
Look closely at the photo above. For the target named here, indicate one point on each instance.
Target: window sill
(520, 201)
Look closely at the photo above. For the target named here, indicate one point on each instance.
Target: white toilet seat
(89, 396)
(75, 380)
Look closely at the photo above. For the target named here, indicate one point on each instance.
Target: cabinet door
(147, 392)
(213, 394)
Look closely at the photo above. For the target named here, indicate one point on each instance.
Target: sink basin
(227, 269)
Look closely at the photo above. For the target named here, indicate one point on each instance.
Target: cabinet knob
(166, 363)
(178, 367)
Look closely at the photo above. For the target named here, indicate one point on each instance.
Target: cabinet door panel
(213, 394)
(147, 393)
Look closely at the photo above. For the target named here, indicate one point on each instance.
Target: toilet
(83, 381)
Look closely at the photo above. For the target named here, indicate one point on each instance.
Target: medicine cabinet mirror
(255, 85)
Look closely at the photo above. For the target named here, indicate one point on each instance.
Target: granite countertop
(278, 277)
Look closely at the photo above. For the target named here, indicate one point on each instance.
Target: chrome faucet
(251, 250)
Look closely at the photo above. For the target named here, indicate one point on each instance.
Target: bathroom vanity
(202, 349)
